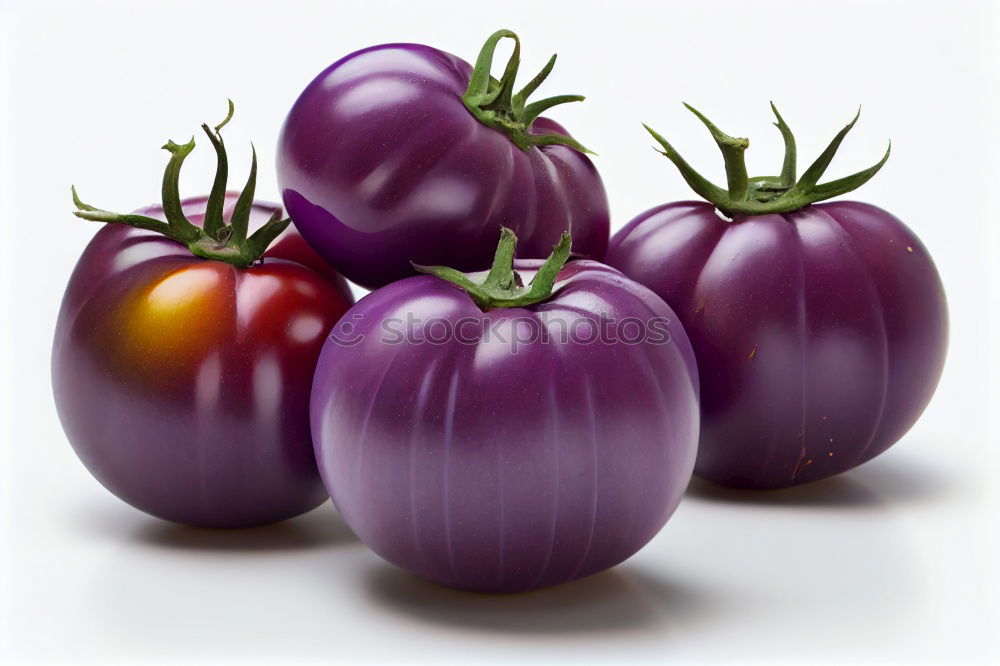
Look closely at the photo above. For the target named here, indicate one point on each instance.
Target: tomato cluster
(486, 422)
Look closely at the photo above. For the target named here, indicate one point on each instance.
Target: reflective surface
(478, 463)
(183, 384)
(381, 164)
(820, 334)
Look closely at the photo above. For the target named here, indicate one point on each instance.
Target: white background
(893, 562)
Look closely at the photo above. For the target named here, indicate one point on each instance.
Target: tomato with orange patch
(182, 380)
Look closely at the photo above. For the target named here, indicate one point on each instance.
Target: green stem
(502, 287)
(216, 240)
(816, 170)
(767, 194)
(217, 197)
(179, 224)
(732, 154)
(522, 96)
(494, 103)
(788, 166)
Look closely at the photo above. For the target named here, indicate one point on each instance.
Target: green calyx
(495, 104)
(503, 287)
(767, 194)
(215, 239)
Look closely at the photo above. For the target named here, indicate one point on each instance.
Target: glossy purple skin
(478, 468)
(381, 164)
(183, 384)
(820, 334)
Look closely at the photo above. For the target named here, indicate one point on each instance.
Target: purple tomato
(401, 152)
(183, 381)
(820, 329)
(497, 437)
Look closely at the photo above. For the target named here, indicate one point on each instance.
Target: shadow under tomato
(890, 479)
(320, 528)
(299, 533)
(619, 600)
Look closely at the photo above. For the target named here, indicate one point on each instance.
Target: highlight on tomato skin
(481, 431)
(403, 152)
(182, 381)
(820, 327)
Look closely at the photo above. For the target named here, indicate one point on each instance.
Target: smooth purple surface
(820, 335)
(380, 163)
(183, 384)
(479, 468)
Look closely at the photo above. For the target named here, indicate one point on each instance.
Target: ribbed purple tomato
(820, 329)
(183, 381)
(401, 152)
(500, 438)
